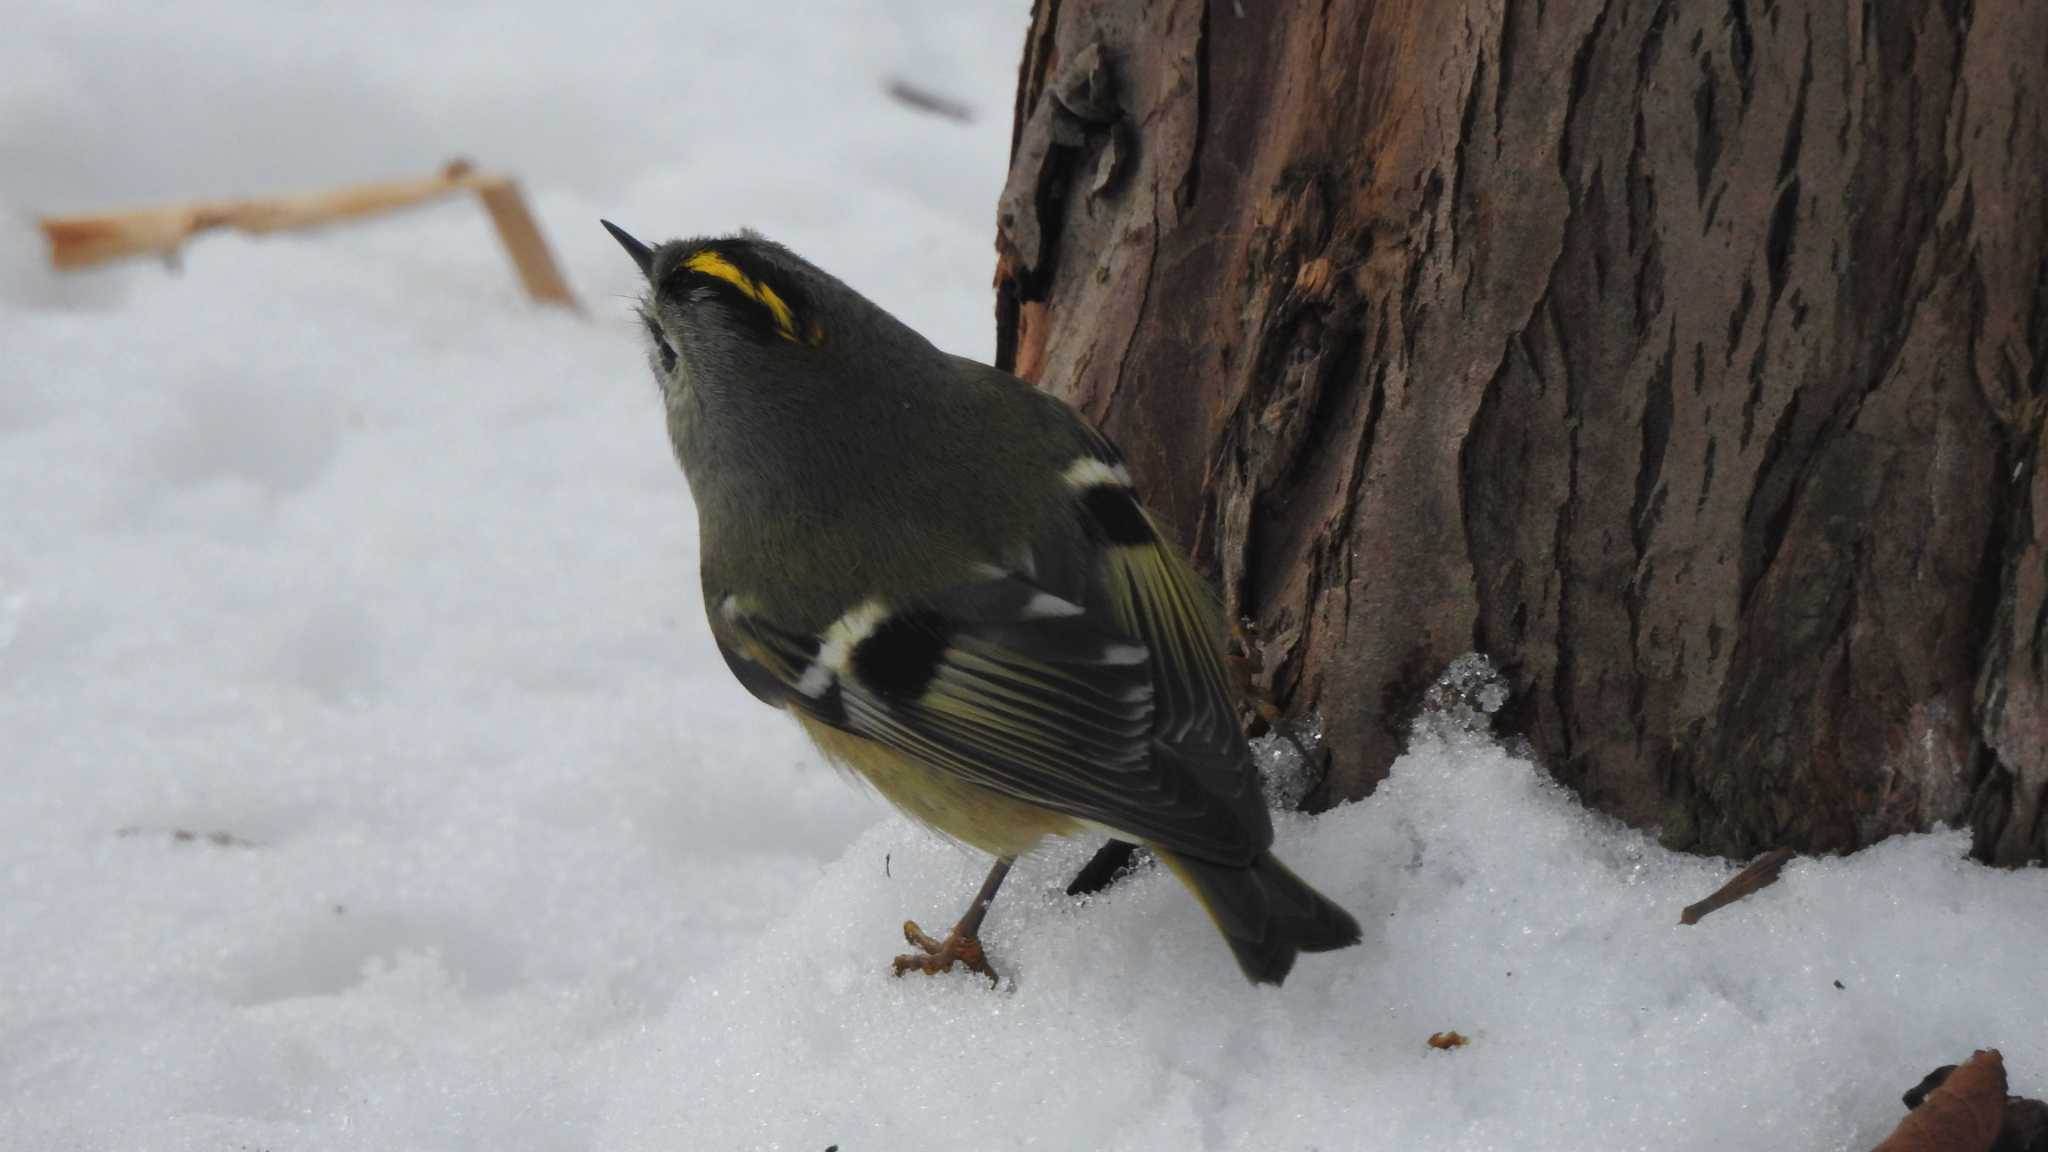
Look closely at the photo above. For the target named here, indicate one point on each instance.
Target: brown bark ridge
(1686, 358)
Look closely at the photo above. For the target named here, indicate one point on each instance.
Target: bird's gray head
(776, 377)
(740, 318)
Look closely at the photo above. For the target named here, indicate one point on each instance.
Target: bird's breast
(961, 809)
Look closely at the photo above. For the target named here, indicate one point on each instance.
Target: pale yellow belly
(967, 812)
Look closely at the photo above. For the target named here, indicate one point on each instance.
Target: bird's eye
(662, 348)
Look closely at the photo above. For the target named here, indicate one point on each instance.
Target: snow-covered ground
(368, 779)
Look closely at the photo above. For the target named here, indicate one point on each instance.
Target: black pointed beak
(641, 253)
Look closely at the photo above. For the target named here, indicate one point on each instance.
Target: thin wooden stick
(521, 236)
(97, 238)
(1762, 873)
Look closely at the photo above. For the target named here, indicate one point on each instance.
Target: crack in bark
(1778, 241)
(1564, 667)
(1505, 47)
(1707, 134)
(1656, 432)
(1582, 61)
(1116, 380)
(1742, 48)
(1561, 548)
(1466, 120)
(1765, 519)
(1788, 157)
(1191, 175)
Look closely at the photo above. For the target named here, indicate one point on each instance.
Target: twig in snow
(1761, 873)
(96, 238)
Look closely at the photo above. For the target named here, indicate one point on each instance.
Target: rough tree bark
(1687, 358)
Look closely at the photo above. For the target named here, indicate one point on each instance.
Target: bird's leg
(1106, 867)
(963, 944)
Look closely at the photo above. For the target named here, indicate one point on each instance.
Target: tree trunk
(1686, 358)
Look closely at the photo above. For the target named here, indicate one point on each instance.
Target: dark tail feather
(1266, 913)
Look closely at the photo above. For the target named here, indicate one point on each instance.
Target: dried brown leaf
(1962, 1115)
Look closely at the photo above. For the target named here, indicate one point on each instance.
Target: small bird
(946, 576)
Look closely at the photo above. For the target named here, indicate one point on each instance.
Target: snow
(371, 781)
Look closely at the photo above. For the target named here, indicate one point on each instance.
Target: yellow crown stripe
(712, 264)
(784, 321)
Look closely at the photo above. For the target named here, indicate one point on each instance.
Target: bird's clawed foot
(940, 955)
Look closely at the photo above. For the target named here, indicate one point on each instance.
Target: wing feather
(1027, 696)
(1149, 590)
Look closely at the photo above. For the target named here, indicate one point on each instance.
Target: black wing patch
(1115, 514)
(901, 656)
